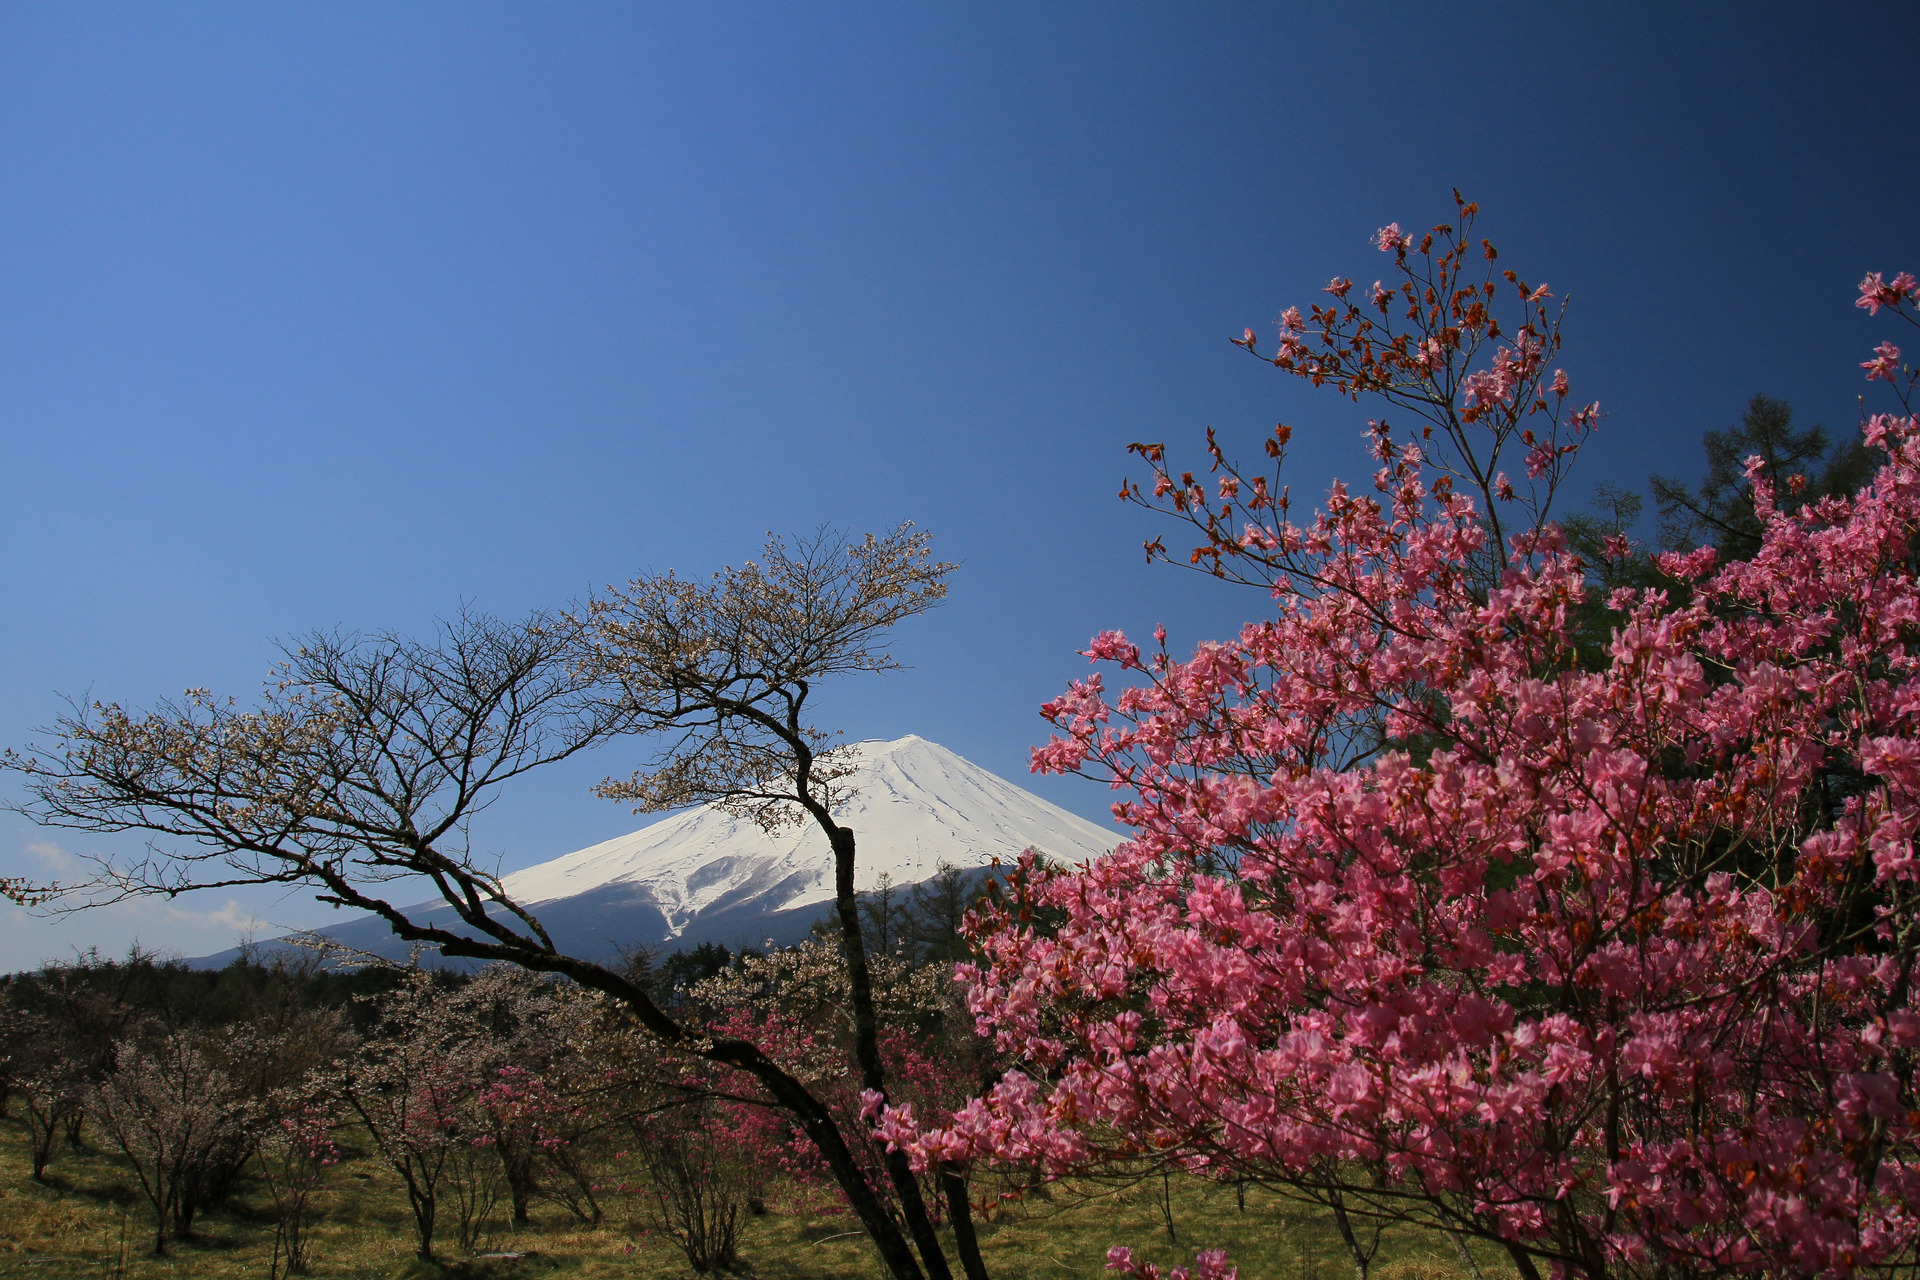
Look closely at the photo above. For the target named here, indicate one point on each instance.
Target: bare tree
(366, 758)
(724, 669)
(937, 910)
(362, 765)
(880, 908)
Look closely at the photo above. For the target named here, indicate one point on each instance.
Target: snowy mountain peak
(914, 805)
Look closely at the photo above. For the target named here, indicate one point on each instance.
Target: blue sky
(348, 314)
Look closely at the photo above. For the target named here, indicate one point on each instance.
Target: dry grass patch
(88, 1221)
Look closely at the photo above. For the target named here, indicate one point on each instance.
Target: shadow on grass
(61, 1183)
(518, 1267)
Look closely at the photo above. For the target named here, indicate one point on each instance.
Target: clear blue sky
(346, 314)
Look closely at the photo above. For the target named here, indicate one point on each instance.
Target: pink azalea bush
(1446, 903)
(793, 1002)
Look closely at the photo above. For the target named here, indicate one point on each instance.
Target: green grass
(89, 1216)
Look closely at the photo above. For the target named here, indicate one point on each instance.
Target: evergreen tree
(1719, 511)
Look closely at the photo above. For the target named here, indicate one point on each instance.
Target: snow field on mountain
(915, 804)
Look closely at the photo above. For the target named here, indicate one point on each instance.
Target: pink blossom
(1616, 960)
(1876, 292)
(1484, 389)
(1885, 364)
(1211, 1264)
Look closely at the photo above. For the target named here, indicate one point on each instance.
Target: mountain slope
(916, 804)
(704, 875)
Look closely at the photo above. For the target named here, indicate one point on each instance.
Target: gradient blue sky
(346, 314)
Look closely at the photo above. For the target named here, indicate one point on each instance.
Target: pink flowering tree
(1439, 908)
(294, 1147)
(411, 1085)
(795, 1002)
(541, 1104)
(531, 1119)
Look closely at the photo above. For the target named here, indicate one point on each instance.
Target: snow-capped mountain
(704, 875)
(915, 804)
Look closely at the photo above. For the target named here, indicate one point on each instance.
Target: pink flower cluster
(309, 1132)
(1610, 957)
(1208, 1264)
(1876, 292)
(1885, 363)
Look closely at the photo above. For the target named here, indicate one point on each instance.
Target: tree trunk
(960, 1213)
(423, 1215)
(866, 1040)
(41, 1153)
(818, 1125)
(1362, 1258)
(518, 1165)
(1466, 1254)
(1523, 1262)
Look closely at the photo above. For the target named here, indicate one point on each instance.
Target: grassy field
(89, 1221)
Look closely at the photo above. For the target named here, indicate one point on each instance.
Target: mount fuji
(703, 875)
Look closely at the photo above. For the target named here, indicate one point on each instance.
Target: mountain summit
(704, 875)
(914, 805)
